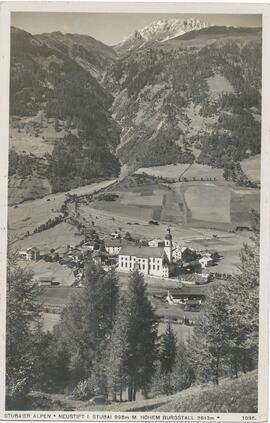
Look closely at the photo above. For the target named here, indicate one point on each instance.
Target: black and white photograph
(134, 214)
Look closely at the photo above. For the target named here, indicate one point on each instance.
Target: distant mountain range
(174, 91)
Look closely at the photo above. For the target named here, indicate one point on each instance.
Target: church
(154, 261)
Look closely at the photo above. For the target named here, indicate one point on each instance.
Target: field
(219, 205)
(186, 170)
(60, 274)
(57, 237)
(242, 200)
(144, 203)
(208, 203)
(252, 168)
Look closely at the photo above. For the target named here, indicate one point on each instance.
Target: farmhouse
(113, 246)
(155, 261)
(29, 254)
(156, 243)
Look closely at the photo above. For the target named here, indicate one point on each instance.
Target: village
(85, 225)
(177, 276)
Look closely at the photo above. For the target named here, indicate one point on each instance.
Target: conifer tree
(162, 381)
(87, 321)
(141, 335)
(23, 313)
(210, 343)
(116, 370)
(243, 305)
(168, 349)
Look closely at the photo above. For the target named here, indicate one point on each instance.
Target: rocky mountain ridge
(159, 31)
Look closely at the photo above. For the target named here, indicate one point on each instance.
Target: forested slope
(195, 97)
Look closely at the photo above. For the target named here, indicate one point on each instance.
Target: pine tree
(226, 336)
(162, 382)
(135, 340)
(210, 343)
(243, 306)
(87, 321)
(23, 313)
(116, 370)
(168, 349)
(182, 373)
(141, 337)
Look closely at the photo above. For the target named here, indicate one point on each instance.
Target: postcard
(134, 211)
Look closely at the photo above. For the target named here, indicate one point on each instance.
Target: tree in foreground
(23, 315)
(116, 370)
(226, 336)
(141, 337)
(162, 381)
(133, 345)
(209, 345)
(87, 321)
(243, 306)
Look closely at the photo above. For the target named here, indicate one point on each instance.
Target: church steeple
(168, 245)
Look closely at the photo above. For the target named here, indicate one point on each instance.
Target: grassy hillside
(231, 396)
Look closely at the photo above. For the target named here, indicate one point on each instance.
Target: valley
(154, 129)
(141, 156)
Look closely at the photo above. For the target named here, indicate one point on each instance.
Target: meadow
(219, 206)
(144, 203)
(60, 274)
(183, 170)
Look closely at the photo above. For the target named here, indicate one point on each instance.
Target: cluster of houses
(159, 257)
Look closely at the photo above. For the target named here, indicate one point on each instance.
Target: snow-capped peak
(162, 30)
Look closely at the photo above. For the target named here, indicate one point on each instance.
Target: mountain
(59, 112)
(194, 97)
(160, 30)
(185, 92)
(89, 53)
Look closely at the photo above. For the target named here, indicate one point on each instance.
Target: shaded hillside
(89, 53)
(59, 102)
(179, 102)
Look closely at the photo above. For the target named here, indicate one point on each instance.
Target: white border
(244, 7)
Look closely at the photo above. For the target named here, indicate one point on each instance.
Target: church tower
(168, 245)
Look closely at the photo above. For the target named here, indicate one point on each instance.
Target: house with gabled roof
(113, 246)
(155, 261)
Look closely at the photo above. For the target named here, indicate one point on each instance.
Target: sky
(112, 28)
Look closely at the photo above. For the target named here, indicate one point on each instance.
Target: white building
(205, 261)
(113, 246)
(156, 243)
(31, 253)
(155, 261)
